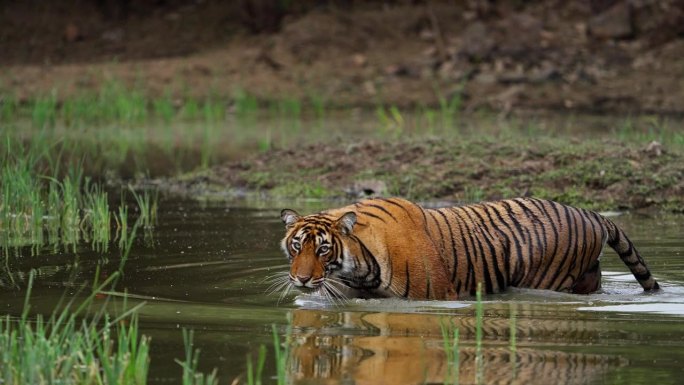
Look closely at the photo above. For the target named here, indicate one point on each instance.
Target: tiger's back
(397, 248)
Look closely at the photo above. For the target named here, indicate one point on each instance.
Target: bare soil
(598, 174)
(599, 56)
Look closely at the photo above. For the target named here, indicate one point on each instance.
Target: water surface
(206, 268)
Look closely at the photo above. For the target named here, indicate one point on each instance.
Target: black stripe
(541, 246)
(441, 233)
(627, 253)
(514, 241)
(615, 241)
(578, 253)
(571, 241)
(427, 289)
(492, 250)
(485, 270)
(380, 208)
(521, 230)
(643, 276)
(506, 252)
(453, 245)
(591, 254)
(556, 233)
(632, 264)
(390, 201)
(469, 257)
(372, 215)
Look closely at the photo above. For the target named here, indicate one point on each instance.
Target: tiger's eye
(296, 246)
(323, 249)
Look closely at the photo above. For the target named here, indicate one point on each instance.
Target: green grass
(281, 351)
(121, 131)
(450, 336)
(71, 347)
(451, 343)
(148, 205)
(44, 203)
(254, 375)
(67, 350)
(191, 376)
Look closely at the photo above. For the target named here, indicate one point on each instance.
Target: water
(206, 267)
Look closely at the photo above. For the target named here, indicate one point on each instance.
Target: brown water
(206, 267)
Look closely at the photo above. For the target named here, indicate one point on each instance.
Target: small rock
(398, 70)
(72, 33)
(615, 23)
(477, 41)
(369, 88)
(654, 148)
(359, 60)
(367, 188)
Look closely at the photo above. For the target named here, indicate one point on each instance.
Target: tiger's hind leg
(590, 281)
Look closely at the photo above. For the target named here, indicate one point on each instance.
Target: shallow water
(206, 268)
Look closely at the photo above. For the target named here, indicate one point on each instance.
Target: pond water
(206, 268)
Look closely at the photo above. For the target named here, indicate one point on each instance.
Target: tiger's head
(315, 246)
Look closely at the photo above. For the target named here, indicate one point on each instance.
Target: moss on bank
(606, 174)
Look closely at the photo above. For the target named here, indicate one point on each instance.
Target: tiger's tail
(617, 239)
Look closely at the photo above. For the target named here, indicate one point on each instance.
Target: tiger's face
(314, 245)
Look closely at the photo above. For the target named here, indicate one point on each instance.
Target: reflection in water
(395, 348)
(206, 270)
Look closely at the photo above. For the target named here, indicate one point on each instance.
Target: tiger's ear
(289, 217)
(346, 222)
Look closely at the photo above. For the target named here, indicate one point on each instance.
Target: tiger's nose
(303, 279)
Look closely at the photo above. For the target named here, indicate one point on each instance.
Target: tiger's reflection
(395, 348)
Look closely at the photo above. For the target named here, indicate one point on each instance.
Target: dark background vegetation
(599, 55)
(419, 68)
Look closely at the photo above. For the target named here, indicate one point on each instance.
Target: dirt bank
(601, 56)
(598, 174)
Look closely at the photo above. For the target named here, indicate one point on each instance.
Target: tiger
(392, 247)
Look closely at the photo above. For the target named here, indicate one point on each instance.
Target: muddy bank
(599, 174)
(599, 56)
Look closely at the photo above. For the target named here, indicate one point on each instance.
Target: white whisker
(334, 294)
(277, 286)
(285, 293)
(333, 282)
(275, 276)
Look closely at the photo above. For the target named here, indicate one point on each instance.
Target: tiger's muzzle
(306, 281)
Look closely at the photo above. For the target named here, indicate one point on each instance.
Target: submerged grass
(41, 204)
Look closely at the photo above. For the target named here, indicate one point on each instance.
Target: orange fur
(393, 247)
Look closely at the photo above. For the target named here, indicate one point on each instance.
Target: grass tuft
(66, 350)
(191, 376)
